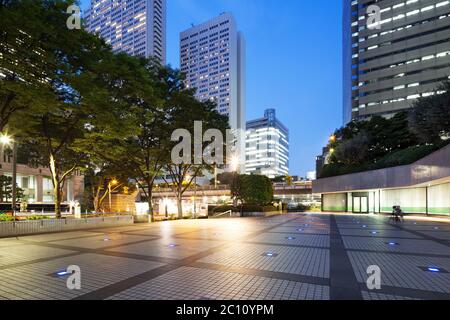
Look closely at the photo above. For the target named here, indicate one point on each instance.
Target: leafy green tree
(430, 116)
(354, 150)
(370, 140)
(69, 95)
(225, 178)
(6, 190)
(184, 111)
(29, 38)
(252, 189)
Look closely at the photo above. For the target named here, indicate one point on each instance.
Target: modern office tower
(267, 146)
(212, 56)
(390, 63)
(137, 27)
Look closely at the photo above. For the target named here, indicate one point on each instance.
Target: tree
(354, 150)
(137, 146)
(252, 189)
(71, 100)
(97, 184)
(430, 116)
(185, 110)
(225, 178)
(6, 190)
(29, 39)
(370, 140)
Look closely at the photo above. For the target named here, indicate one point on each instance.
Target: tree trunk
(180, 206)
(150, 205)
(56, 186)
(58, 198)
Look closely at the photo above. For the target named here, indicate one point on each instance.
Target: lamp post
(111, 183)
(234, 162)
(8, 141)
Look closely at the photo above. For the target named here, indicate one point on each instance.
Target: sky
(294, 63)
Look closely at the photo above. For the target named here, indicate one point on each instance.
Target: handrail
(223, 213)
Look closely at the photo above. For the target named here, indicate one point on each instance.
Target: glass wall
(439, 199)
(412, 200)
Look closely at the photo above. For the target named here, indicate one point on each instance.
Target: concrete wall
(433, 167)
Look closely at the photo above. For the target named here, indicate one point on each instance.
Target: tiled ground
(290, 257)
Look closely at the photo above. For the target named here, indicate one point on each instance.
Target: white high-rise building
(136, 27)
(267, 144)
(213, 59)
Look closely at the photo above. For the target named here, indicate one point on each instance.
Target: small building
(37, 185)
(267, 146)
(422, 187)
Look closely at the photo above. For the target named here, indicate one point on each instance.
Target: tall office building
(389, 64)
(212, 56)
(136, 27)
(267, 146)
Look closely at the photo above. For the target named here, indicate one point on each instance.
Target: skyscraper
(267, 146)
(391, 62)
(212, 56)
(136, 27)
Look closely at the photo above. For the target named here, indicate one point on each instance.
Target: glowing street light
(111, 183)
(234, 163)
(6, 140)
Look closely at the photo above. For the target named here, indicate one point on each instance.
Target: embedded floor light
(290, 238)
(392, 243)
(300, 230)
(62, 273)
(270, 254)
(374, 232)
(434, 269)
(172, 245)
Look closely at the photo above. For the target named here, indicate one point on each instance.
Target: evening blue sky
(294, 60)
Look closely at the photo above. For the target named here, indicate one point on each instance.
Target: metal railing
(15, 228)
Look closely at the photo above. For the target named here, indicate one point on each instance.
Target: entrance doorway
(360, 203)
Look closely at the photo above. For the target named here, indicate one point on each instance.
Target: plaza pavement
(289, 257)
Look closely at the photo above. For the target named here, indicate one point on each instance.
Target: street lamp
(234, 163)
(112, 182)
(8, 141)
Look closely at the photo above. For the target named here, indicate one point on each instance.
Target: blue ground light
(62, 273)
(434, 269)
